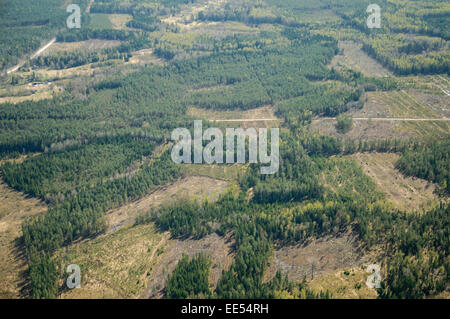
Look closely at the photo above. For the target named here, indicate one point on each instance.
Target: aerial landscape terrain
(92, 91)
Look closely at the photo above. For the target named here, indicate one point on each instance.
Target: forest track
(35, 54)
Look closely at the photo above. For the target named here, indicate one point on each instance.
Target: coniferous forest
(96, 139)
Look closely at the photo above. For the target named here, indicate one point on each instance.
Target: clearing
(263, 116)
(406, 193)
(114, 266)
(398, 114)
(322, 263)
(219, 248)
(14, 209)
(85, 46)
(119, 21)
(353, 57)
(193, 187)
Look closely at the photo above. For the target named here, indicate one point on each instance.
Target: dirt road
(42, 49)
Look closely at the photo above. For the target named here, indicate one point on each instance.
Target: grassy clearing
(88, 45)
(264, 112)
(344, 176)
(145, 56)
(261, 117)
(401, 104)
(345, 283)
(221, 172)
(115, 266)
(119, 21)
(99, 21)
(354, 58)
(426, 130)
(331, 263)
(363, 129)
(193, 187)
(316, 258)
(405, 193)
(30, 91)
(14, 209)
(219, 248)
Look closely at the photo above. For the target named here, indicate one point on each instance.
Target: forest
(103, 142)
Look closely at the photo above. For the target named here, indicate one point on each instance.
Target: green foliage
(97, 151)
(421, 264)
(344, 124)
(70, 168)
(43, 276)
(428, 161)
(28, 24)
(190, 278)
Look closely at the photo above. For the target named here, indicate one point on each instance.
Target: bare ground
(263, 116)
(88, 45)
(345, 283)
(197, 187)
(335, 264)
(219, 248)
(362, 129)
(263, 112)
(394, 114)
(355, 58)
(114, 266)
(316, 258)
(14, 209)
(406, 193)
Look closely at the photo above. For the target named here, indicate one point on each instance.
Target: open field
(345, 283)
(216, 171)
(258, 117)
(394, 104)
(31, 91)
(381, 128)
(88, 45)
(427, 130)
(315, 258)
(353, 57)
(406, 193)
(119, 21)
(421, 111)
(439, 103)
(135, 262)
(322, 264)
(366, 129)
(145, 56)
(14, 209)
(193, 187)
(402, 104)
(99, 21)
(219, 248)
(115, 266)
(264, 112)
